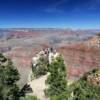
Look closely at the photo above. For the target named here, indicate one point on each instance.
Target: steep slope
(80, 59)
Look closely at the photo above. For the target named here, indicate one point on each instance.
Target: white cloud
(55, 7)
(93, 4)
(87, 5)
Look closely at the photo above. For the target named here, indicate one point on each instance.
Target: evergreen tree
(8, 77)
(41, 68)
(57, 79)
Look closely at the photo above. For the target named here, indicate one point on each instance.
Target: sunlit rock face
(49, 53)
(94, 41)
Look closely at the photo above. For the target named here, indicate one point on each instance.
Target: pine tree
(57, 79)
(8, 77)
(9, 90)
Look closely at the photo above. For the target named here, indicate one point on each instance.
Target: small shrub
(32, 98)
(41, 68)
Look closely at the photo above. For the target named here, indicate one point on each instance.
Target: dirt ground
(38, 86)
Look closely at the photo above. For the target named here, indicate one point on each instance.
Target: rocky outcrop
(49, 54)
(94, 77)
(94, 41)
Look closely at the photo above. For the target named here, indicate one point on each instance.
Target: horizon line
(49, 28)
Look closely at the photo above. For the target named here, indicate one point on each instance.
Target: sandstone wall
(80, 59)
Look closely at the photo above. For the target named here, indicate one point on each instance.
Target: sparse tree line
(57, 82)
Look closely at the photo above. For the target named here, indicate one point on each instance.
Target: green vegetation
(57, 80)
(8, 77)
(32, 98)
(29, 97)
(9, 90)
(84, 90)
(41, 67)
(80, 90)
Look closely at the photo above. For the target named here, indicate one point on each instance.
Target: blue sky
(84, 14)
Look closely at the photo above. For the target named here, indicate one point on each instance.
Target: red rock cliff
(80, 59)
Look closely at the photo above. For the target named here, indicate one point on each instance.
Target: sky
(76, 14)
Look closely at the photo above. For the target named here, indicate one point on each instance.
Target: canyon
(77, 47)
